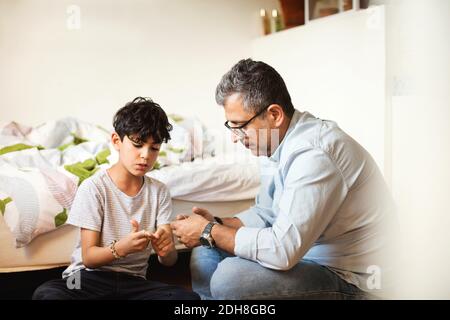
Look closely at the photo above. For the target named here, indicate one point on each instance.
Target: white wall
(334, 67)
(419, 100)
(174, 51)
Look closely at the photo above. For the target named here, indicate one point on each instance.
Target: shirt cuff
(245, 243)
(250, 218)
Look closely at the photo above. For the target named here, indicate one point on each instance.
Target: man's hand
(204, 213)
(135, 241)
(189, 229)
(200, 211)
(162, 241)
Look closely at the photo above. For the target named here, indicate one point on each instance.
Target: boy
(122, 214)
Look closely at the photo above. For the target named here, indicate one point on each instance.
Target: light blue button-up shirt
(322, 198)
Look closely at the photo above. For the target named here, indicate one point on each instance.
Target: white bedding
(210, 179)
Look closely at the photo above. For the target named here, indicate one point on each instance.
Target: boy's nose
(144, 153)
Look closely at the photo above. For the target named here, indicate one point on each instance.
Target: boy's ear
(115, 140)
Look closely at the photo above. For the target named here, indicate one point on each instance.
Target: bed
(41, 168)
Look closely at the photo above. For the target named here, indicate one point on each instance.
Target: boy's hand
(162, 241)
(135, 241)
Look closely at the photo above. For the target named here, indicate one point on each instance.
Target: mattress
(53, 249)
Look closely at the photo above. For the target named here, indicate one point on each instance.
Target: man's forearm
(234, 223)
(224, 237)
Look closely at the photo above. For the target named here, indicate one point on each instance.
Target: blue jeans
(218, 275)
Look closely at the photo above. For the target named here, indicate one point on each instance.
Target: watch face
(204, 242)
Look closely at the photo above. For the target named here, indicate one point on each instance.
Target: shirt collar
(275, 157)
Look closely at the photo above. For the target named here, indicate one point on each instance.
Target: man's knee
(202, 253)
(203, 259)
(225, 282)
(196, 255)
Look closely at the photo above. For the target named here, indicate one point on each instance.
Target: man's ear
(115, 140)
(276, 115)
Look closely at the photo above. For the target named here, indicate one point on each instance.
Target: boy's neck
(124, 180)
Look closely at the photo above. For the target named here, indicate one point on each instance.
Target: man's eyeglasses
(239, 130)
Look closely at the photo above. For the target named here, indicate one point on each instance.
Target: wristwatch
(206, 239)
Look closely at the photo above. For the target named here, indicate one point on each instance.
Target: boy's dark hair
(142, 118)
(258, 84)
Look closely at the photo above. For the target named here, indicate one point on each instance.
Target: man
(317, 229)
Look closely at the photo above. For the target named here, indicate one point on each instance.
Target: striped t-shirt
(100, 205)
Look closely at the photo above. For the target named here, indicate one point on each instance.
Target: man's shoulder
(306, 135)
(324, 139)
(317, 135)
(317, 132)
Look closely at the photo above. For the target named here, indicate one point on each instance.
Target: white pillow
(211, 179)
(38, 200)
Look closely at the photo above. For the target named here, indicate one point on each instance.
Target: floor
(21, 285)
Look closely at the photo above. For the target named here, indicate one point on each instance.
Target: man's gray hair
(258, 84)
